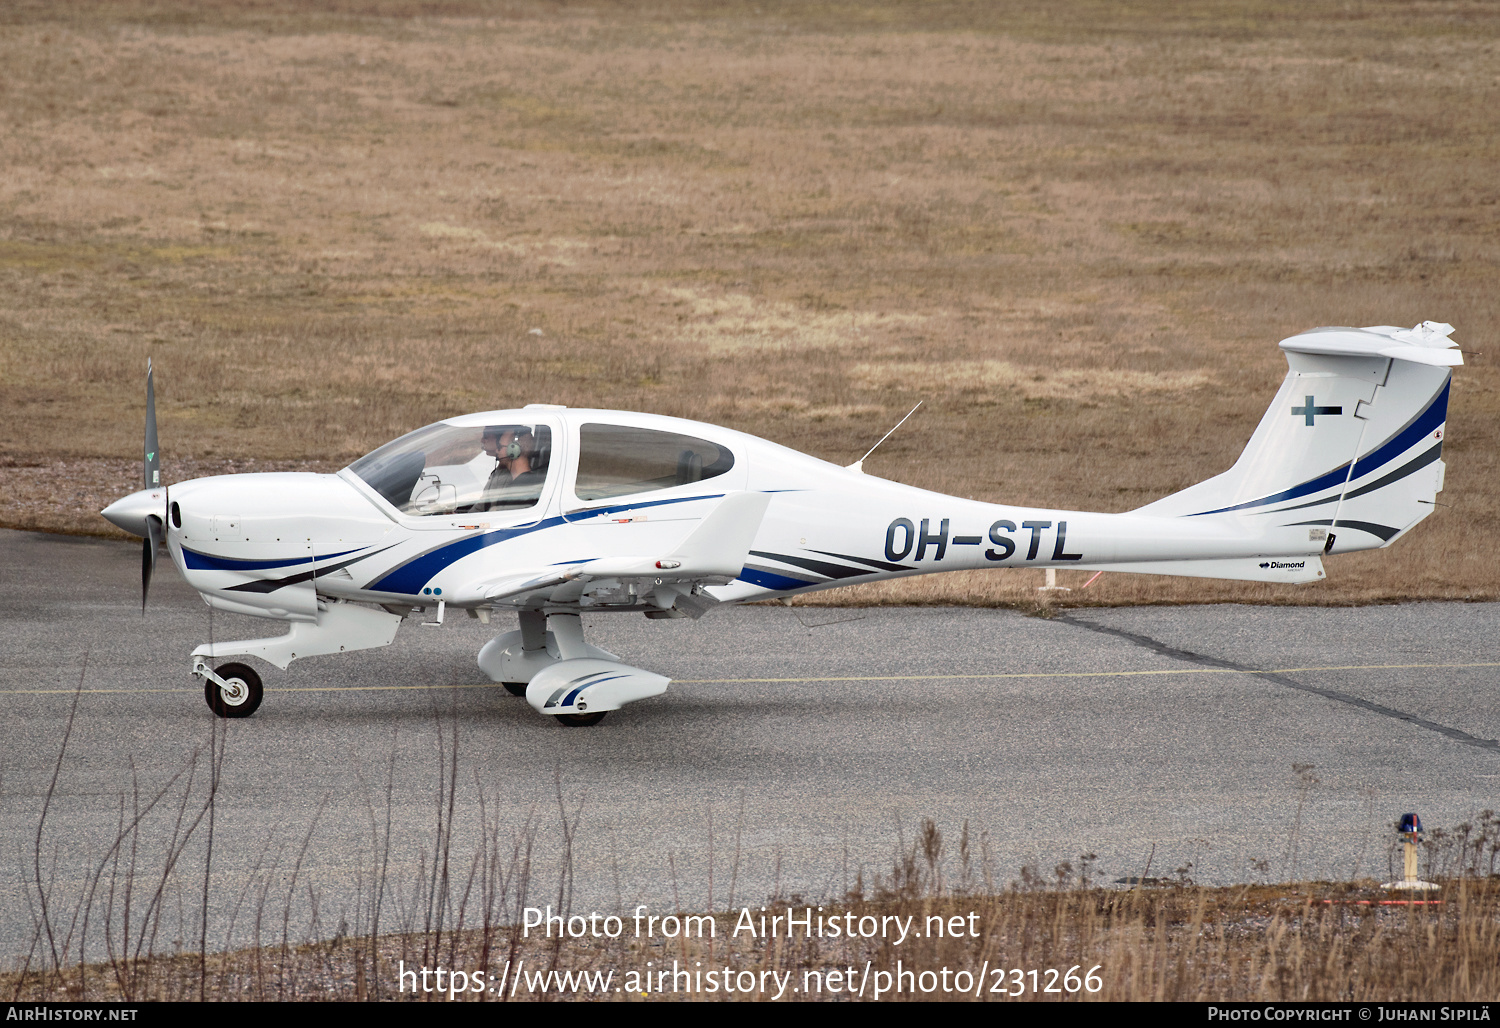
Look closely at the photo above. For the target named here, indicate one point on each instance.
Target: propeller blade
(148, 554)
(153, 458)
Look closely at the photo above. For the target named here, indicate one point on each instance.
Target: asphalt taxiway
(795, 750)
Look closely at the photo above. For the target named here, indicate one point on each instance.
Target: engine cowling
(254, 543)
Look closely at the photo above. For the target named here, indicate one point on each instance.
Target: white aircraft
(550, 512)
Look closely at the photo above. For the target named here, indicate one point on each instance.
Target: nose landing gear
(231, 690)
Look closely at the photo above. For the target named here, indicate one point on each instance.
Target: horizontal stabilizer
(1284, 570)
(1428, 343)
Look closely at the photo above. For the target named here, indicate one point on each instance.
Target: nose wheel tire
(515, 688)
(580, 720)
(241, 698)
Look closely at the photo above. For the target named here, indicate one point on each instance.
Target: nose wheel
(232, 690)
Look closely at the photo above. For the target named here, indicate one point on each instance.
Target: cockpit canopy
(451, 469)
(621, 460)
(447, 469)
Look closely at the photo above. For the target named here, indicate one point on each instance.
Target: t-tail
(1349, 455)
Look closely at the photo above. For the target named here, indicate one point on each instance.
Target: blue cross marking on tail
(1309, 411)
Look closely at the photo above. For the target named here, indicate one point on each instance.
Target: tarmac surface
(796, 751)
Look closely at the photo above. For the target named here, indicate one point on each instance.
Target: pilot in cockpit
(515, 482)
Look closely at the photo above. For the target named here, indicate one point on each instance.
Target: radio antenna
(859, 465)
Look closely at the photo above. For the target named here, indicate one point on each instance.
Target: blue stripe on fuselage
(196, 561)
(409, 578)
(767, 580)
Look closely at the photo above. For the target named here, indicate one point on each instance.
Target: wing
(669, 585)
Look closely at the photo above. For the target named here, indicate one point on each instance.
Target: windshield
(443, 469)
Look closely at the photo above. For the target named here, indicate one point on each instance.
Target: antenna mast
(859, 465)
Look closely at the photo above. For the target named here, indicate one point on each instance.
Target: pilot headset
(510, 450)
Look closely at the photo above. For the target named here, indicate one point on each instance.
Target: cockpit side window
(619, 460)
(445, 469)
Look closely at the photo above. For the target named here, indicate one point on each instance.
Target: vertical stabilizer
(1349, 453)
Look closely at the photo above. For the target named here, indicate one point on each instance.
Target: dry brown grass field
(1165, 944)
(1076, 230)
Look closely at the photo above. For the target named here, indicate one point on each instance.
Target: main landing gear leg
(568, 630)
(234, 690)
(513, 659)
(567, 679)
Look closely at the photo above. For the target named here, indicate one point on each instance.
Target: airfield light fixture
(1410, 830)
